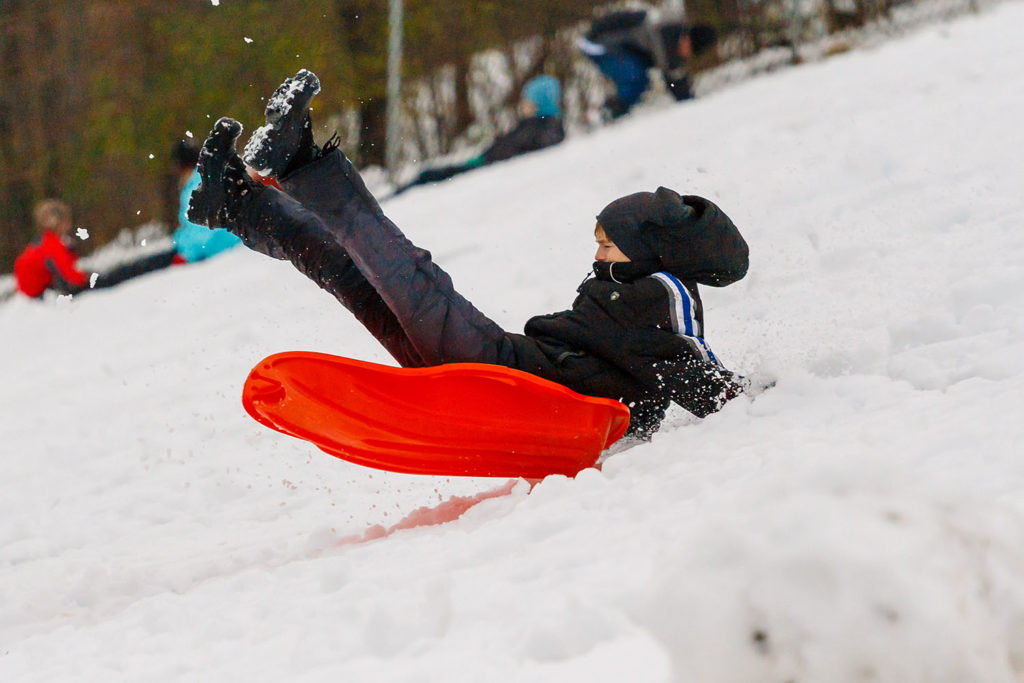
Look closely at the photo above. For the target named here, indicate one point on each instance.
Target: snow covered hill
(863, 520)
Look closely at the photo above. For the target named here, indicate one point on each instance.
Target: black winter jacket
(639, 342)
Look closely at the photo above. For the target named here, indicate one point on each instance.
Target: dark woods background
(94, 93)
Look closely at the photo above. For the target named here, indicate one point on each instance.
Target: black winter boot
(224, 184)
(285, 143)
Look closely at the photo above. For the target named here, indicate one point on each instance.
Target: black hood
(688, 235)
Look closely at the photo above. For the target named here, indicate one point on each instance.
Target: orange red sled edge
(464, 419)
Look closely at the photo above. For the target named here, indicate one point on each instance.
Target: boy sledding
(634, 333)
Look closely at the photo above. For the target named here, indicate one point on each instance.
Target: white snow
(863, 520)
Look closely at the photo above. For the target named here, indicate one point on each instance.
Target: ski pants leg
(300, 236)
(441, 325)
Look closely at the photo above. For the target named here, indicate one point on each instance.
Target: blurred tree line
(94, 93)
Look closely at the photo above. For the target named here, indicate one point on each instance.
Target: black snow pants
(333, 230)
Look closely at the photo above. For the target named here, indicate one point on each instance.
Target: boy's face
(607, 252)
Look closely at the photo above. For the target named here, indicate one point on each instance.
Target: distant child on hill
(635, 331)
(625, 44)
(51, 261)
(540, 126)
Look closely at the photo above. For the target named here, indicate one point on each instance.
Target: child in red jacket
(50, 262)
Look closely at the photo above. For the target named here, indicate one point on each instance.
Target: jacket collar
(625, 272)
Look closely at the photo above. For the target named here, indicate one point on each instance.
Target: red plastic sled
(464, 419)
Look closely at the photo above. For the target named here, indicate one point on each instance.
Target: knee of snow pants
(441, 324)
(290, 231)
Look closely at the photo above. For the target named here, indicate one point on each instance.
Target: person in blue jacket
(194, 242)
(625, 44)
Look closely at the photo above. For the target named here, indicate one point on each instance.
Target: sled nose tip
(260, 388)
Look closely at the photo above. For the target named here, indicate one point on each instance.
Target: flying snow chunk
(188, 134)
(247, 39)
(92, 280)
(215, 2)
(82, 234)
